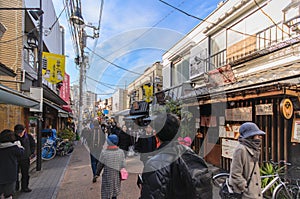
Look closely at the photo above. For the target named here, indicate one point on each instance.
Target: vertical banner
(64, 92)
(148, 93)
(53, 67)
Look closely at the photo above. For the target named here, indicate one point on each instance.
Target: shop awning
(122, 112)
(9, 96)
(133, 117)
(61, 112)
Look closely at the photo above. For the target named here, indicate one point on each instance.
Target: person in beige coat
(245, 158)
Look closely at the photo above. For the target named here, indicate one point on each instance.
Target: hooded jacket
(9, 153)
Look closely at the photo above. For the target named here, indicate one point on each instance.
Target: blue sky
(134, 34)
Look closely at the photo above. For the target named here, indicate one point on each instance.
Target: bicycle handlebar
(279, 162)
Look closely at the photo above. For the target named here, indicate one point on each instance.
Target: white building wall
(52, 38)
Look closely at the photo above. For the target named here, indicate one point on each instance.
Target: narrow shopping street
(70, 177)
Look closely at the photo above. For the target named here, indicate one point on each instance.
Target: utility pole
(81, 79)
(77, 19)
(40, 85)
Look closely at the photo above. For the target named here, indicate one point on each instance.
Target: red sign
(221, 76)
(64, 92)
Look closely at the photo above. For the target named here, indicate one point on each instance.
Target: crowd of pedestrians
(172, 165)
(172, 169)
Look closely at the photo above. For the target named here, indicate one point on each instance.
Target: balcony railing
(263, 42)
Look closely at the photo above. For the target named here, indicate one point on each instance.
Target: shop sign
(239, 114)
(220, 76)
(264, 109)
(286, 108)
(53, 67)
(296, 131)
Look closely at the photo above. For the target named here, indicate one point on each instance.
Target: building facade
(240, 70)
(20, 58)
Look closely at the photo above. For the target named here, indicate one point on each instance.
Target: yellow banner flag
(148, 93)
(53, 67)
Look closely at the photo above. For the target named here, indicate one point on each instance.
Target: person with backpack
(175, 171)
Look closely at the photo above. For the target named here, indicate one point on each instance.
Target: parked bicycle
(284, 189)
(59, 146)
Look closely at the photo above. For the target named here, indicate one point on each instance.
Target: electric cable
(113, 63)
(104, 84)
(57, 19)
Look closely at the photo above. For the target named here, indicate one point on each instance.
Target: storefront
(272, 104)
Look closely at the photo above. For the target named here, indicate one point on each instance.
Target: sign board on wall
(228, 147)
(264, 109)
(296, 131)
(239, 114)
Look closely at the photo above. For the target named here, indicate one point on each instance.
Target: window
(29, 56)
(180, 71)
(199, 59)
(218, 50)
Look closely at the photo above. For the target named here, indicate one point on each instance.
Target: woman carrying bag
(244, 173)
(112, 160)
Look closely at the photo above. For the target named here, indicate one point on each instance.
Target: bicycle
(48, 150)
(58, 146)
(283, 190)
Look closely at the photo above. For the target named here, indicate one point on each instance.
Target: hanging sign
(53, 67)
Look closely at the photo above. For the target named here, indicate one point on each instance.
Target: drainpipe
(62, 29)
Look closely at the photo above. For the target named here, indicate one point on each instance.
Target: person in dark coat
(166, 175)
(95, 139)
(28, 143)
(146, 144)
(10, 151)
(124, 140)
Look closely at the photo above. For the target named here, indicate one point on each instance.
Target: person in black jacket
(172, 172)
(124, 140)
(95, 139)
(146, 144)
(9, 152)
(28, 143)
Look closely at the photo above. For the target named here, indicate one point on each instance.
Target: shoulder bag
(227, 193)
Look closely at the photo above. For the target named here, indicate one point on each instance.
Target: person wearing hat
(244, 166)
(112, 160)
(10, 151)
(28, 143)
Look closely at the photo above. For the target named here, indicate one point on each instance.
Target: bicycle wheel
(69, 148)
(48, 152)
(285, 191)
(219, 179)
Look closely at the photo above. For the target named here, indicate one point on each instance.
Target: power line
(204, 20)
(148, 30)
(104, 84)
(113, 63)
(57, 18)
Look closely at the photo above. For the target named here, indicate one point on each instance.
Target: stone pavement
(70, 177)
(44, 183)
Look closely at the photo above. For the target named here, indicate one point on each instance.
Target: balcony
(271, 39)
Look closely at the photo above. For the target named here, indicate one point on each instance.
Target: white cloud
(124, 21)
